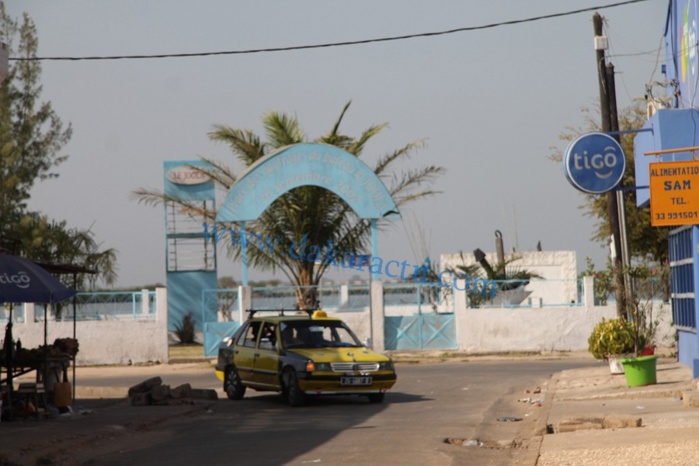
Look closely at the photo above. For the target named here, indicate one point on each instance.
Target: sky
(491, 104)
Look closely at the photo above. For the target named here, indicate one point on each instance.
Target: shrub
(185, 331)
(611, 337)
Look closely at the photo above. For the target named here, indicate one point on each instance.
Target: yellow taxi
(300, 355)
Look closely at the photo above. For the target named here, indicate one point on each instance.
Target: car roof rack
(279, 311)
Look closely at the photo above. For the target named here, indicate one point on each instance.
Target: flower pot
(640, 371)
(615, 366)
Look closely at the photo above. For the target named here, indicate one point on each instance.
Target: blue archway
(297, 165)
(320, 165)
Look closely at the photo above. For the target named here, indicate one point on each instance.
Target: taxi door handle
(257, 355)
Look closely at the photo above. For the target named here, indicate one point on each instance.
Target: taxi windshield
(317, 334)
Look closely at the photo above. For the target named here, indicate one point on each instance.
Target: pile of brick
(153, 392)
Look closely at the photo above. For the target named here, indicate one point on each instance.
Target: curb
(87, 392)
(541, 427)
(644, 394)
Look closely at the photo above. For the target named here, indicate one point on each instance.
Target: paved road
(432, 408)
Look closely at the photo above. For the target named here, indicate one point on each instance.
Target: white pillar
(161, 318)
(460, 298)
(145, 301)
(244, 302)
(29, 313)
(344, 297)
(589, 291)
(376, 312)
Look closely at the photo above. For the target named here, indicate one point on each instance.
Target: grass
(186, 351)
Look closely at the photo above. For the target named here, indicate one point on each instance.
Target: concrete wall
(479, 330)
(558, 270)
(103, 342)
(544, 329)
(497, 330)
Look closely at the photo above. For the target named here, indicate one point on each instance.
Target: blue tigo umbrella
(23, 281)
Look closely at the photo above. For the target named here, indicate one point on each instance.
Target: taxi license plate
(355, 381)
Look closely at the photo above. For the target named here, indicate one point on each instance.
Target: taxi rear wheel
(232, 384)
(294, 395)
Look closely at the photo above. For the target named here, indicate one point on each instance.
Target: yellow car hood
(341, 354)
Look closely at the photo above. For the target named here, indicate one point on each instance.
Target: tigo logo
(594, 163)
(20, 279)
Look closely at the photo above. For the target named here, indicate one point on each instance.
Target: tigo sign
(594, 163)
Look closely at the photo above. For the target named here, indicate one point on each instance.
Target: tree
(645, 242)
(31, 134)
(32, 137)
(50, 241)
(308, 213)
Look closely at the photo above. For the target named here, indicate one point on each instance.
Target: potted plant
(640, 369)
(612, 340)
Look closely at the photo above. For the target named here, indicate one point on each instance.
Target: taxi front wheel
(232, 384)
(294, 394)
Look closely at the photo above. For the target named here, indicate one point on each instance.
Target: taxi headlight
(323, 367)
(386, 366)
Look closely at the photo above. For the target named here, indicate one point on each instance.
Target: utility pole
(4, 62)
(621, 206)
(610, 123)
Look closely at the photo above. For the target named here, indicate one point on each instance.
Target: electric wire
(332, 44)
(615, 38)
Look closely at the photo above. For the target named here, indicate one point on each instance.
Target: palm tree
(308, 214)
(51, 242)
(497, 278)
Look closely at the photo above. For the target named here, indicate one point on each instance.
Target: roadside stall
(23, 281)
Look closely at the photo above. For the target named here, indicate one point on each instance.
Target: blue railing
(94, 306)
(422, 297)
(224, 300)
(109, 306)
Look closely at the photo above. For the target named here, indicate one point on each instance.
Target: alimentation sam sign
(594, 163)
(674, 193)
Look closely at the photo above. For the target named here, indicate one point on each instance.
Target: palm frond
(334, 134)
(357, 146)
(407, 188)
(403, 152)
(282, 130)
(219, 173)
(244, 143)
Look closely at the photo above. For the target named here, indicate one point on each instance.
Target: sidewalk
(590, 418)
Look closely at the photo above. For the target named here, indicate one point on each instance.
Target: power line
(333, 44)
(634, 54)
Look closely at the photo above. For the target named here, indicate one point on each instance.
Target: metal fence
(109, 306)
(406, 297)
(90, 306)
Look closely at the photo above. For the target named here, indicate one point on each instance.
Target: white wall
(484, 330)
(524, 329)
(557, 268)
(104, 342)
